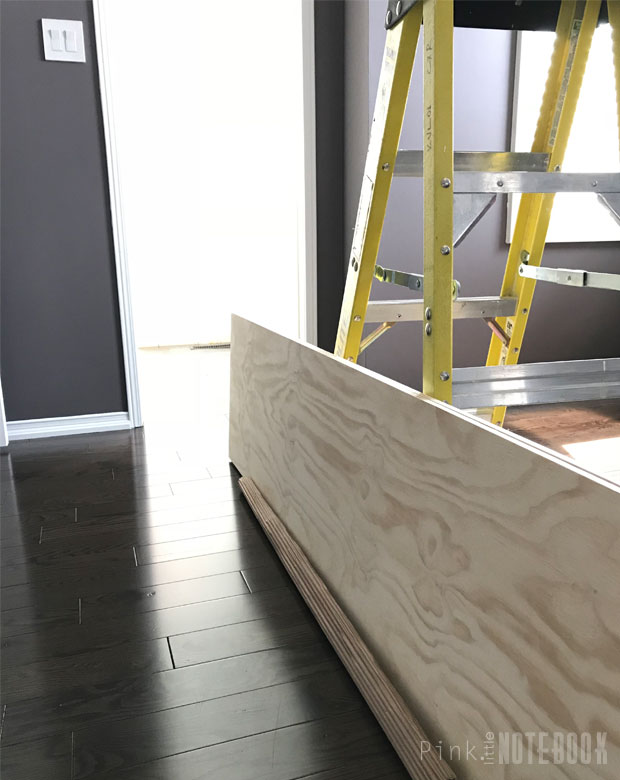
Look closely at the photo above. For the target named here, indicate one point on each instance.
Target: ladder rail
(438, 164)
(400, 46)
(576, 24)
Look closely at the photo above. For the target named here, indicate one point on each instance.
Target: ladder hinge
(397, 10)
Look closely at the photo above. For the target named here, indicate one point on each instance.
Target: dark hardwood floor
(586, 431)
(149, 631)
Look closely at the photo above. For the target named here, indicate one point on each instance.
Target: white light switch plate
(63, 40)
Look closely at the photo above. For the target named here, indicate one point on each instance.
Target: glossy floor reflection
(148, 630)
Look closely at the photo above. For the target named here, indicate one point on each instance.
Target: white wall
(209, 116)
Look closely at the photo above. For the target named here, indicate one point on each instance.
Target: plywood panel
(384, 700)
(483, 572)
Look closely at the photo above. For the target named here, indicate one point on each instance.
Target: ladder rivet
(515, 350)
(428, 313)
(523, 311)
(428, 329)
(386, 166)
(355, 266)
(445, 250)
(388, 17)
(445, 183)
(357, 318)
(595, 183)
(353, 261)
(444, 376)
(399, 7)
(500, 183)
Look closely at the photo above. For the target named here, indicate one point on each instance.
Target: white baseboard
(67, 426)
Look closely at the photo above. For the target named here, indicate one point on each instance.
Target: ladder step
(504, 172)
(462, 309)
(409, 162)
(527, 181)
(536, 383)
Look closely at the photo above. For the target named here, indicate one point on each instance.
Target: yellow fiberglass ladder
(460, 187)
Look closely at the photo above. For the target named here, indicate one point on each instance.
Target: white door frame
(4, 435)
(307, 274)
(120, 249)
(307, 246)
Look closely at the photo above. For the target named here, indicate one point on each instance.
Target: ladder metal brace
(571, 277)
(412, 281)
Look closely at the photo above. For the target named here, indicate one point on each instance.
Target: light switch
(56, 39)
(70, 40)
(63, 40)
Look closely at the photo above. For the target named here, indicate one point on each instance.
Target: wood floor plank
(262, 578)
(14, 533)
(42, 759)
(49, 494)
(21, 582)
(64, 553)
(131, 696)
(30, 619)
(222, 469)
(239, 638)
(171, 594)
(141, 477)
(286, 754)
(127, 743)
(53, 674)
(192, 548)
(216, 488)
(25, 527)
(112, 632)
(138, 532)
(358, 770)
(126, 508)
(555, 425)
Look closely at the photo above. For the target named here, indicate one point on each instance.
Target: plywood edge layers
(390, 710)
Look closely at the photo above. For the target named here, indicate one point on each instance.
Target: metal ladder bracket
(571, 277)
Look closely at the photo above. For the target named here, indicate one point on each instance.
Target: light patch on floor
(600, 455)
(185, 394)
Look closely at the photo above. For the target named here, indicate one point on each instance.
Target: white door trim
(4, 435)
(64, 426)
(307, 248)
(120, 248)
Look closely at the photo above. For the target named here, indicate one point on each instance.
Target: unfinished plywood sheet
(384, 700)
(482, 571)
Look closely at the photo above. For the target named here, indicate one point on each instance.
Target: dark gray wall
(566, 323)
(61, 351)
(330, 94)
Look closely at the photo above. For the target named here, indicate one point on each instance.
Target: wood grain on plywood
(482, 571)
(401, 727)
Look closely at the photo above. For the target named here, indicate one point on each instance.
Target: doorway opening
(214, 138)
